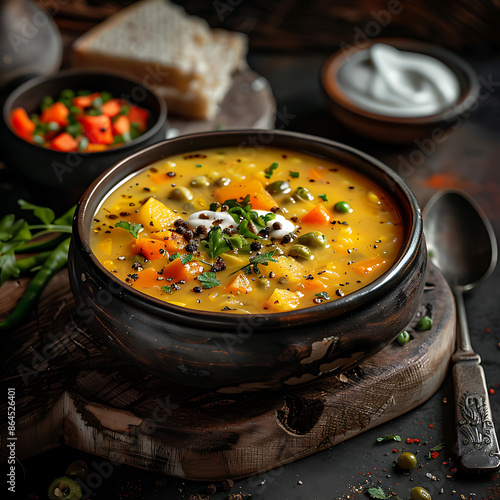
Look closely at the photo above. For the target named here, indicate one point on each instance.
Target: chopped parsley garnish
(436, 448)
(133, 229)
(293, 174)
(263, 259)
(167, 289)
(323, 197)
(198, 165)
(389, 437)
(216, 243)
(323, 295)
(208, 279)
(377, 492)
(185, 258)
(269, 170)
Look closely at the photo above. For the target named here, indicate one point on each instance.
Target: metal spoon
(461, 242)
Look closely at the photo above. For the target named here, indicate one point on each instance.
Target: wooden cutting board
(72, 390)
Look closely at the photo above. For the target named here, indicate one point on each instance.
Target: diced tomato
(139, 116)
(84, 101)
(97, 129)
(64, 142)
(121, 125)
(111, 108)
(58, 113)
(22, 124)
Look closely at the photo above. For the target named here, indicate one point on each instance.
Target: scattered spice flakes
(488, 330)
(491, 391)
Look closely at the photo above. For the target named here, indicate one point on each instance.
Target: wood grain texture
(72, 390)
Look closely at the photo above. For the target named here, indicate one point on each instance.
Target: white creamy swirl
(390, 82)
(209, 217)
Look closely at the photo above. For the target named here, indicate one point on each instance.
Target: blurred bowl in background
(75, 171)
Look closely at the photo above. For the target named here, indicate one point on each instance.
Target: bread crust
(156, 41)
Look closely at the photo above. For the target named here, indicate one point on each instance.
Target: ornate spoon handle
(477, 442)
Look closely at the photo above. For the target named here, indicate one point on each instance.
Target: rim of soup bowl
(308, 144)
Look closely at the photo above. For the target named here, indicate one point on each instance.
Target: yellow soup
(267, 231)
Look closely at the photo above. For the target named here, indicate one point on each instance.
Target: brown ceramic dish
(258, 351)
(75, 171)
(391, 129)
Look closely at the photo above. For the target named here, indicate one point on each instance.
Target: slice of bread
(189, 64)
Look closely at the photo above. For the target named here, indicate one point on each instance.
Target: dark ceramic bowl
(391, 129)
(259, 351)
(76, 171)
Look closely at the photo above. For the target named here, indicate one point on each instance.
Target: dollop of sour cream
(225, 220)
(387, 81)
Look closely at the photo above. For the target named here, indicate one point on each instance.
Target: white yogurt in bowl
(392, 82)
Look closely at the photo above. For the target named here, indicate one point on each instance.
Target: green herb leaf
(167, 289)
(377, 492)
(208, 279)
(198, 165)
(133, 229)
(293, 174)
(13, 233)
(244, 203)
(174, 256)
(263, 259)
(323, 197)
(46, 215)
(8, 268)
(439, 447)
(323, 295)
(216, 243)
(187, 257)
(389, 437)
(269, 170)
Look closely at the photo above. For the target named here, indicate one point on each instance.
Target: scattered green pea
(200, 181)
(424, 323)
(279, 187)
(181, 193)
(304, 194)
(313, 239)
(407, 460)
(403, 338)
(343, 207)
(301, 251)
(419, 493)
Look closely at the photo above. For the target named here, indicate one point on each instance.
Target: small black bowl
(75, 171)
(237, 353)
